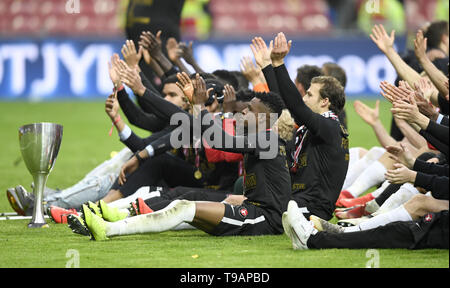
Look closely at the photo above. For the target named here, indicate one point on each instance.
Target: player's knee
(362, 152)
(416, 204)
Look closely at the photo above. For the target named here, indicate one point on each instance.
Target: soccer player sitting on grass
(320, 158)
(267, 183)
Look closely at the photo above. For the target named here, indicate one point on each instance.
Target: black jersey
(267, 183)
(322, 162)
(266, 178)
(322, 167)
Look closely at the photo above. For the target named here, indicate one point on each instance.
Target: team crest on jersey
(428, 217)
(243, 211)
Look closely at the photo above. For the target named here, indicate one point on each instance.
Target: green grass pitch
(86, 144)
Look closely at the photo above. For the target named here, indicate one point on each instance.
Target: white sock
(353, 155)
(371, 176)
(406, 192)
(359, 166)
(398, 214)
(143, 192)
(380, 190)
(174, 214)
(184, 226)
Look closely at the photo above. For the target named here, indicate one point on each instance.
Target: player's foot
(14, 201)
(344, 195)
(95, 225)
(289, 231)
(353, 212)
(323, 225)
(21, 200)
(77, 225)
(142, 207)
(139, 207)
(59, 215)
(111, 214)
(94, 208)
(372, 207)
(352, 222)
(302, 229)
(356, 201)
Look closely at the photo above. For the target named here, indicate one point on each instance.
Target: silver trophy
(39, 144)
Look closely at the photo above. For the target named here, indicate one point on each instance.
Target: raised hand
(146, 56)
(152, 43)
(185, 84)
(369, 115)
(130, 55)
(420, 45)
(281, 48)
(401, 155)
(426, 87)
(406, 111)
(425, 106)
(382, 39)
(131, 78)
(174, 52)
(229, 99)
(187, 52)
(200, 94)
(261, 52)
(400, 174)
(114, 74)
(393, 93)
(112, 107)
(250, 71)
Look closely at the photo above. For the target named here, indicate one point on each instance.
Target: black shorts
(431, 231)
(246, 220)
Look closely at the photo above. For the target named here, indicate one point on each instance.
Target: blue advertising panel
(48, 69)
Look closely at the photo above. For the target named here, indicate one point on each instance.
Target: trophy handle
(38, 220)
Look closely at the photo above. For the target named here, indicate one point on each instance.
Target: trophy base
(38, 225)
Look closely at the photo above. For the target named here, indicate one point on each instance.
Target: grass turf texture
(86, 144)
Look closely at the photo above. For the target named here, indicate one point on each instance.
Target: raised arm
(436, 76)
(174, 53)
(154, 45)
(188, 56)
(371, 117)
(386, 44)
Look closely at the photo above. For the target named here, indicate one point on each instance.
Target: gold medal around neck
(197, 174)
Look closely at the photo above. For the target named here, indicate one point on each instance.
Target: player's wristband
(139, 158)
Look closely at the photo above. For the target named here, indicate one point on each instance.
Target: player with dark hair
(267, 184)
(304, 76)
(336, 71)
(319, 161)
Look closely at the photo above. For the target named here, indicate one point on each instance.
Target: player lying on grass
(266, 199)
(429, 231)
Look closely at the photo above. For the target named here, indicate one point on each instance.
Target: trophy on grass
(39, 144)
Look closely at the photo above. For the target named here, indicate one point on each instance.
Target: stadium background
(47, 53)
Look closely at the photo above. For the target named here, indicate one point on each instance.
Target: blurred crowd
(201, 19)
